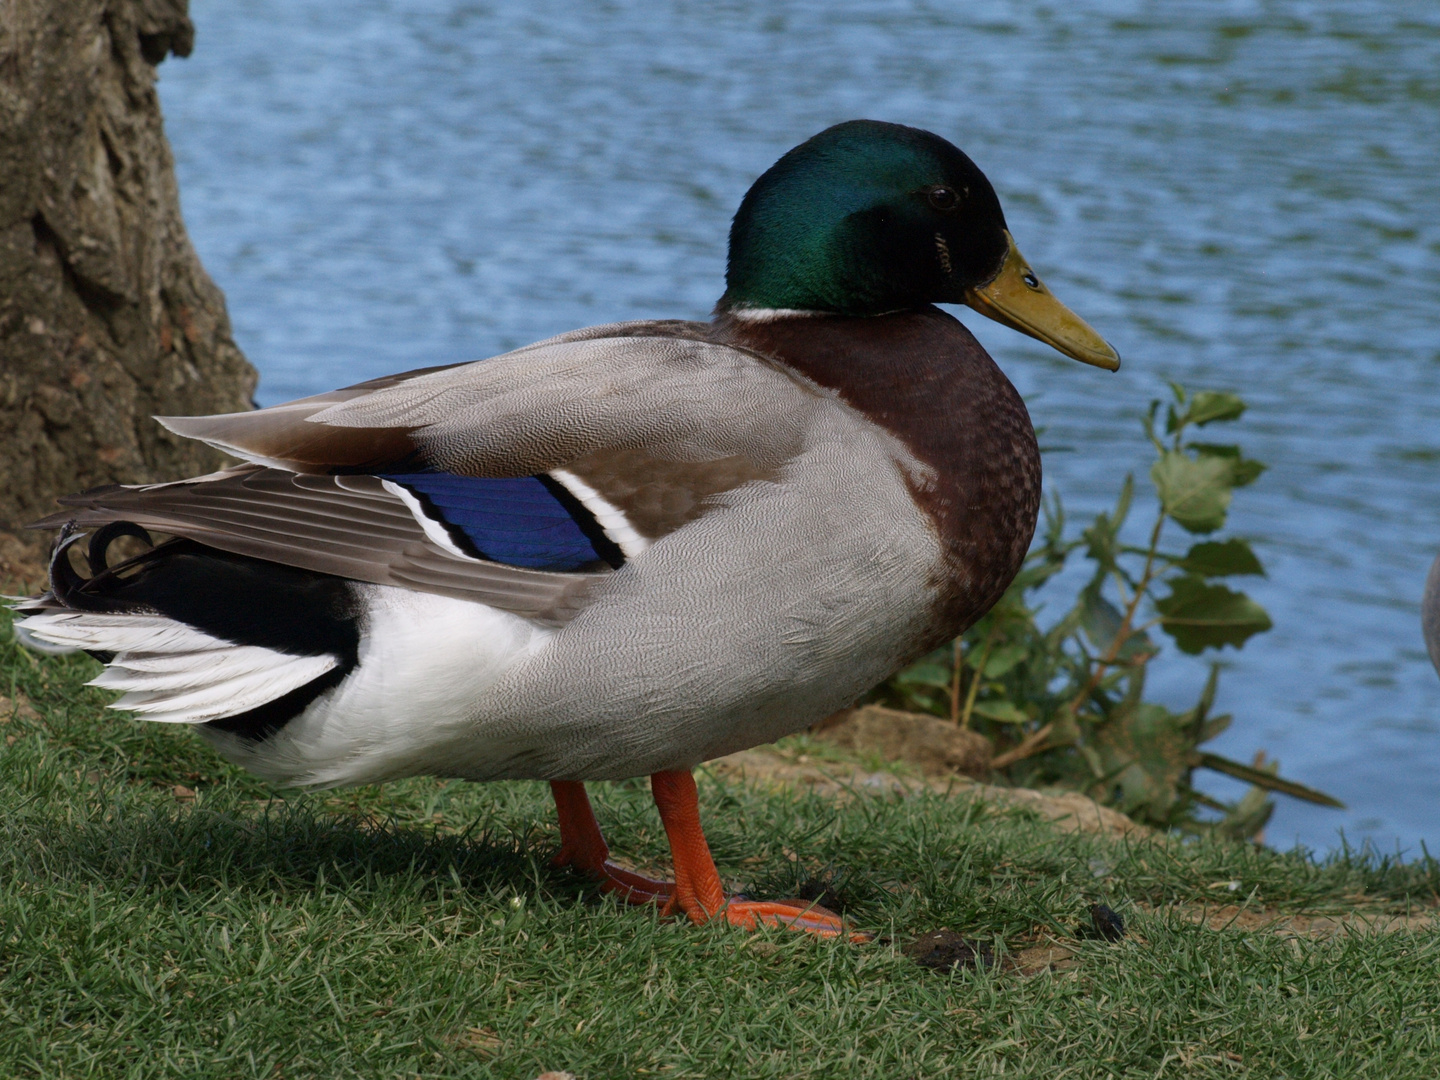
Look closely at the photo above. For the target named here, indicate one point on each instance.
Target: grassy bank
(162, 914)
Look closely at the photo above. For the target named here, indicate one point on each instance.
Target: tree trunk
(106, 315)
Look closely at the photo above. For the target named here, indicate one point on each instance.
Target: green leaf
(1122, 504)
(1174, 420)
(1101, 622)
(1199, 615)
(1245, 470)
(1195, 492)
(1100, 619)
(1207, 695)
(1033, 575)
(1101, 543)
(1003, 659)
(1247, 817)
(1002, 712)
(1208, 406)
(1102, 539)
(1147, 422)
(1213, 726)
(923, 674)
(1261, 778)
(1221, 559)
(1145, 754)
(1064, 730)
(1205, 407)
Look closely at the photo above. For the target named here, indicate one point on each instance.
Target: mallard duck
(618, 552)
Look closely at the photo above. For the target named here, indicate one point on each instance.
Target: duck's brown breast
(922, 376)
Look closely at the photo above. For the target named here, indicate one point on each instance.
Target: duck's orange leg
(698, 892)
(583, 847)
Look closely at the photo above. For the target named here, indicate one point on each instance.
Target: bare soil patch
(914, 753)
(1288, 924)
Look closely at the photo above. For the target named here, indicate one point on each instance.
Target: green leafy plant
(1064, 705)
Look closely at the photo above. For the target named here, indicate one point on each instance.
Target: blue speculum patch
(517, 521)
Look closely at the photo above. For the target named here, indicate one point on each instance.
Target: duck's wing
(517, 481)
(549, 405)
(356, 527)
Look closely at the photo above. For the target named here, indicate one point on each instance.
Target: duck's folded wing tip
(283, 437)
(344, 526)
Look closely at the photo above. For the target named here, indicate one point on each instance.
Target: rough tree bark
(106, 315)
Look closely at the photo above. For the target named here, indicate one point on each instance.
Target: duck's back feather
(678, 399)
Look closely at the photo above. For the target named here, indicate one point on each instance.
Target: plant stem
(1035, 742)
(955, 672)
(1031, 744)
(1123, 632)
(975, 682)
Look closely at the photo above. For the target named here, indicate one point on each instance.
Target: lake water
(1238, 194)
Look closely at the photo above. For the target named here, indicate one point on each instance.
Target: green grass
(417, 930)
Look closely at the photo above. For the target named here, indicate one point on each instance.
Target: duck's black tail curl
(96, 593)
(233, 598)
(243, 600)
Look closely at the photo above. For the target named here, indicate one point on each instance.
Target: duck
(616, 553)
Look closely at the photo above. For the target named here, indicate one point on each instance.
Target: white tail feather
(186, 671)
(120, 633)
(172, 672)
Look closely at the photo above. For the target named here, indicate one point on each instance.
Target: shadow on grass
(284, 849)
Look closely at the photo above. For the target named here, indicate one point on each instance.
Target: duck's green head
(868, 218)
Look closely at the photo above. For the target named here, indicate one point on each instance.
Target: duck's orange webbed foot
(583, 847)
(810, 918)
(696, 892)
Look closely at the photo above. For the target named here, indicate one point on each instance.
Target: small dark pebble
(1105, 923)
(943, 950)
(826, 891)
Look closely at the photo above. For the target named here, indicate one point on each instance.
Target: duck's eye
(943, 198)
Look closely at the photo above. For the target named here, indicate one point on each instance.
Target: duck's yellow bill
(1019, 299)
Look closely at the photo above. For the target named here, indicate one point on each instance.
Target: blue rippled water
(1238, 194)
